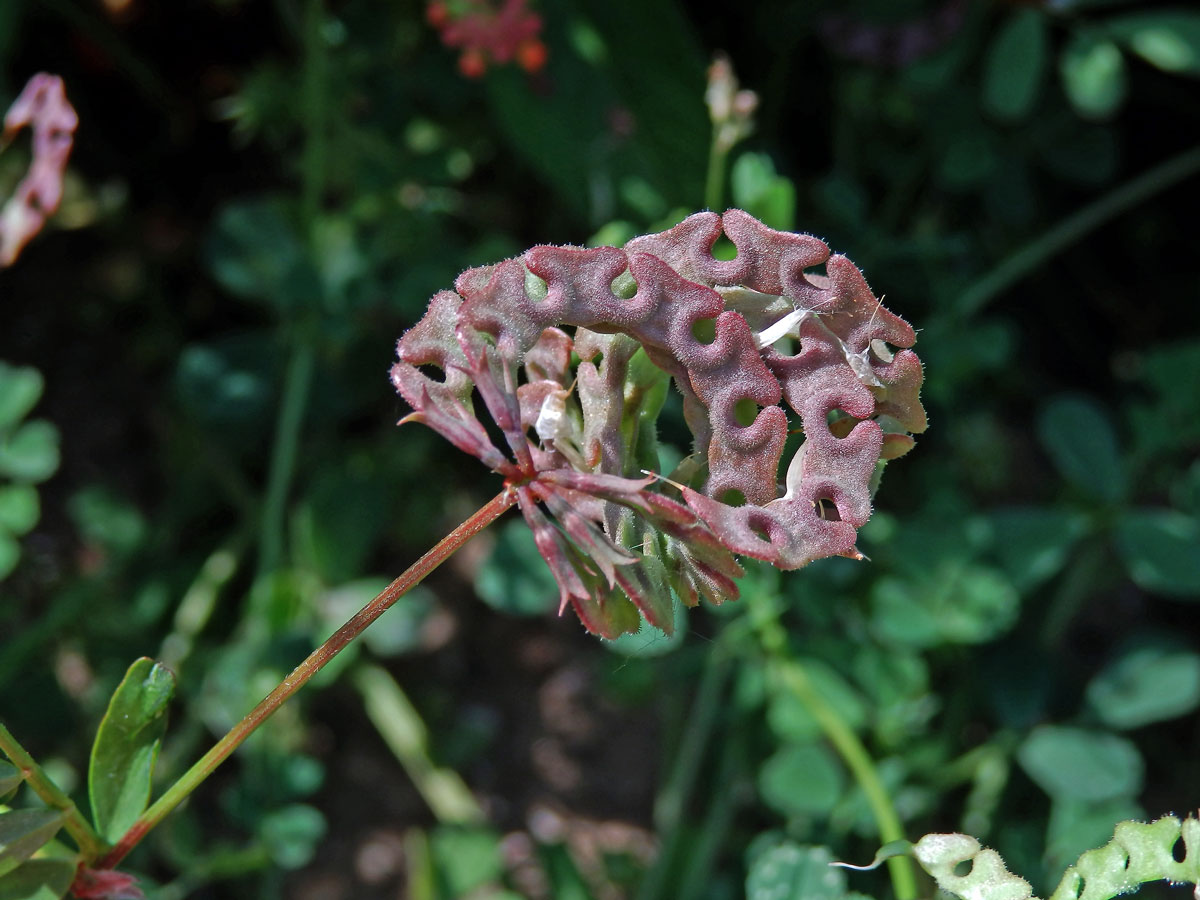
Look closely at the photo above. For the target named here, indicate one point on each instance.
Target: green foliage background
(264, 195)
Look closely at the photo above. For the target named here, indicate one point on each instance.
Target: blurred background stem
(1020, 263)
(302, 355)
(788, 671)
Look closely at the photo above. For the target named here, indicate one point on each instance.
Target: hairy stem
(90, 843)
(787, 671)
(316, 661)
(1074, 228)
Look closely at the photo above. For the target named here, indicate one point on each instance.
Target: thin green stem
(714, 181)
(696, 877)
(677, 792)
(302, 359)
(401, 726)
(1074, 228)
(316, 661)
(788, 672)
(90, 843)
(297, 383)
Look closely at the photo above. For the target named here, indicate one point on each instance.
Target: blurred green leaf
(1093, 75)
(466, 858)
(291, 834)
(10, 780)
(229, 385)
(1032, 543)
(956, 602)
(1074, 764)
(757, 189)
(801, 780)
(1161, 550)
(20, 389)
(790, 871)
(396, 632)
(514, 578)
(1172, 374)
(1085, 153)
(255, 253)
(39, 879)
(19, 508)
(126, 747)
(1080, 439)
(1077, 826)
(23, 832)
(10, 554)
(566, 882)
(338, 524)
(108, 520)
(1166, 38)
(30, 453)
(1152, 678)
(1015, 65)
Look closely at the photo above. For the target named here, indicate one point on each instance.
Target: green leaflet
(1139, 852)
(126, 747)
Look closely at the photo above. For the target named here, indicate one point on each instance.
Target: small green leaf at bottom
(38, 879)
(25, 831)
(126, 747)
(10, 780)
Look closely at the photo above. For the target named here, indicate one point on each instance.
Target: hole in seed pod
(963, 867)
(760, 525)
(827, 509)
(733, 497)
(705, 330)
(882, 351)
(433, 372)
(724, 249)
(745, 411)
(536, 288)
(624, 286)
(840, 422)
(1080, 887)
(1179, 850)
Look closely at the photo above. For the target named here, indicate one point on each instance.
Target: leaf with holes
(569, 352)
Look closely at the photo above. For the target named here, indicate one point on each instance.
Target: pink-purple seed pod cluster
(570, 405)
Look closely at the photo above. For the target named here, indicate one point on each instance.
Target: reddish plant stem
(317, 660)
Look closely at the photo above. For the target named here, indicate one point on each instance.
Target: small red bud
(472, 63)
(531, 55)
(437, 15)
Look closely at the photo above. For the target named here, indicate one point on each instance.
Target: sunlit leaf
(1093, 75)
(801, 779)
(126, 747)
(1152, 679)
(1166, 38)
(1075, 764)
(20, 389)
